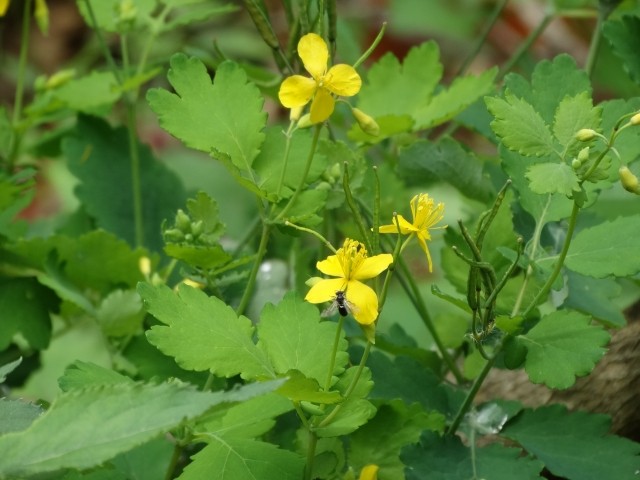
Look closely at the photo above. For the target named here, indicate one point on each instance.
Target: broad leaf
(575, 445)
(520, 126)
(125, 415)
(293, 337)
(561, 347)
(203, 333)
(610, 248)
(233, 459)
(17, 415)
(224, 116)
(552, 178)
(91, 94)
(624, 37)
(80, 375)
(595, 297)
(573, 114)
(446, 458)
(447, 161)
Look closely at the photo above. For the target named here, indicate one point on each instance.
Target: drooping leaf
(552, 178)
(595, 297)
(448, 103)
(236, 458)
(446, 161)
(299, 388)
(224, 116)
(203, 333)
(293, 337)
(126, 415)
(561, 347)
(8, 368)
(610, 248)
(398, 89)
(575, 445)
(624, 37)
(99, 157)
(84, 374)
(446, 458)
(520, 126)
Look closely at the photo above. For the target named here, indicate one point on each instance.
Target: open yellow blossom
(341, 80)
(4, 5)
(350, 265)
(369, 472)
(425, 215)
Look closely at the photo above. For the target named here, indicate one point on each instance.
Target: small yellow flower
(369, 472)
(4, 5)
(425, 216)
(351, 264)
(341, 79)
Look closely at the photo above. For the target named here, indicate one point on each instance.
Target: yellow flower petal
(314, 54)
(331, 266)
(325, 290)
(405, 227)
(372, 266)
(369, 472)
(322, 106)
(425, 249)
(342, 80)
(296, 91)
(365, 301)
(4, 5)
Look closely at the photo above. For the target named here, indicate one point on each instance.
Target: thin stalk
(559, 263)
(177, 451)
(595, 44)
(373, 46)
(311, 454)
(406, 280)
(396, 253)
(103, 43)
(303, 178)
(22, 61)
(466, 404)
(262, 250)
(493, 18)
(285, 160)
(354, 208)
(332, 364)
(312, 232)
(519, 53)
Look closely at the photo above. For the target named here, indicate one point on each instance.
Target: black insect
(341, 304)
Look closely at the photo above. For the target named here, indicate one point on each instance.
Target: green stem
(262, 250)
(515, 58)
(103, 43)
(285, 160)
(559, 263)
(311, 454)
(373, 46)
(354, 208)
(303, 178)
(406, 280)
(595, 44)
(466, 404)
(312, 232)
(396, 254)
(495, 14)
(177, 451)
(334, 351)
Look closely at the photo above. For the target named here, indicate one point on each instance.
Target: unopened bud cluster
(188, 231)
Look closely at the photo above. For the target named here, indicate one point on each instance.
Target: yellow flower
(369, 472)
(351, 264)
(297, 91)
(4, 5)
(425, 216)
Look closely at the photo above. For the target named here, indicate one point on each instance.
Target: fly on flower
(340, 304)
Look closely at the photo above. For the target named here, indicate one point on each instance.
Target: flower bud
(635, 120)
(127, 11)
(173, 235)
(369, 472)
(583, 155)
(41, 14)
(628, 180)
(59, 78)
(576, 163)
(585, 134)
(183, 222)
(305, 121)
(144, 264)
(295, 113)
(197, 228)
(367, 123)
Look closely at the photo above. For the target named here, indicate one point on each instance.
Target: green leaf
(561, 347)
(25, 305)
(390, 125)
(573, 114)
(107, 18)
(293, 337)
(225, 116)
(392, 88)
(6, 133)
(355, 411)
(381, 439)
(99, 157)
(575, 445)
(233, 459)
(17, 415)
(120, 313)
(299, 388)
(94, 93)
(207, 257)
(552, 178)
(202, 11)
(610, 248)
(624, 37)
(126, 415)
(446, 458)
(447, 161)
(448, 103)
(7, 368)
(203, 333)
(594, 297)
(520, 126)
(83, 374)
(146, 462)
(304, 209)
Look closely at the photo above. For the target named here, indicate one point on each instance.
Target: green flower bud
(305, 121)
(173, 235)
(367, 123)
(576, 163)
(188, 238)
(197, 228)
(635, 120)
(183, 222)
(41, 14)
(585, 134)
(583, 155)
(127, 11)
(628, 180)
(60, 78)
